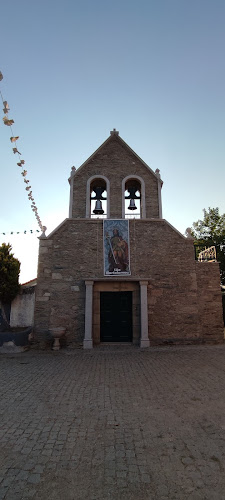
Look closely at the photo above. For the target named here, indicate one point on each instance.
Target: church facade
(115, 270)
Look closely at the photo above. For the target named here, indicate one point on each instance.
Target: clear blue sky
(73, 70)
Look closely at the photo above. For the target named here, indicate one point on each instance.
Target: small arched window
(133, 198)
(97, 205)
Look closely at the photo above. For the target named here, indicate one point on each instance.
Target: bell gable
(115, 167)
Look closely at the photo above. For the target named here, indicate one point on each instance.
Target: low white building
(22, 307)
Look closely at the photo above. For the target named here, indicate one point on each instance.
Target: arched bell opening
(132, 198)
(98, 198)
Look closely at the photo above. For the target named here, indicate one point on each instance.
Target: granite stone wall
(209, 301)
(184, 298)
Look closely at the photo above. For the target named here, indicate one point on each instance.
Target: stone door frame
(139, 309)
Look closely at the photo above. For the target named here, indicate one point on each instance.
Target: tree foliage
(9, 274)
(210, 231)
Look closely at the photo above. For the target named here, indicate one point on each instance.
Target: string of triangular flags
(9, 122)
(27, 231)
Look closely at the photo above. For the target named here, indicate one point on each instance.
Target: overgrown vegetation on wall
(9, 279)
(210, 231)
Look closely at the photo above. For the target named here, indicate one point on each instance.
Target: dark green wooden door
(116, 316)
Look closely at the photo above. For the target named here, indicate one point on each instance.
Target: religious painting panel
(116, 247)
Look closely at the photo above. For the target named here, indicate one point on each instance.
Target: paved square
(113, 423)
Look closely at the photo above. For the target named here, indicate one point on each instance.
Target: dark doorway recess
(116, 316)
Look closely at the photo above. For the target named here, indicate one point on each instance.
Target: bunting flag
(27, 231)
(9, 122)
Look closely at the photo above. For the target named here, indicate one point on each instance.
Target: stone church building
(115, 270)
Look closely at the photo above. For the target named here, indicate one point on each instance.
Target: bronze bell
(98, 197)
(132, 197)
(132, 205)
(98, 208)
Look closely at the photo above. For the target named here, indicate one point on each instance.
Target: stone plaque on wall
(116, 247)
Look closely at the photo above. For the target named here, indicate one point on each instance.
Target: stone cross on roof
(114, 132)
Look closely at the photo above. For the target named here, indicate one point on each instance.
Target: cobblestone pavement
(113, 423)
